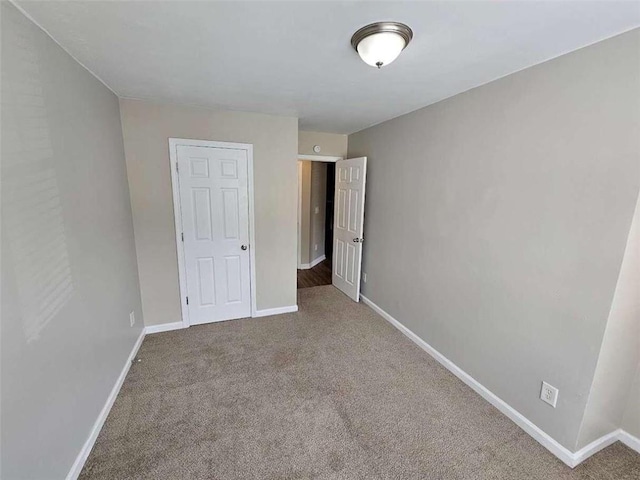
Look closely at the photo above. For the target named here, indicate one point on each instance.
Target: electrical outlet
(549, 394)
(317, 210)
(315, 247)
(132, 318)
(364, 277)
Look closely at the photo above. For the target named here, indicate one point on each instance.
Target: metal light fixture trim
(400, 29)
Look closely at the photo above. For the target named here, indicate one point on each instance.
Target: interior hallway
(332, 391)
(316, 276)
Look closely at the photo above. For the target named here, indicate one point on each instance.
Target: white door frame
(177, 213)
(310, 158)
(299, 214)
(320, 158)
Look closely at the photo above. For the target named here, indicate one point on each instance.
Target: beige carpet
(331, 392)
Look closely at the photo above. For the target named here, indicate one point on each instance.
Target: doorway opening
(316, 192)
(331, 222)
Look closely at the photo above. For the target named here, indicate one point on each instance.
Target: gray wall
(631, 417)
(612, 390)
(331, 144)
(496, 223)
(147, 127)
(69, 276)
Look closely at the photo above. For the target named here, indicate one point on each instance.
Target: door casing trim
(177, 214)
(308, 158)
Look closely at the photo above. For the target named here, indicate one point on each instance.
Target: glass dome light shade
(381, 48)
(380, 43)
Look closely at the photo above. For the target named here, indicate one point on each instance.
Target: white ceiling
(294, 58)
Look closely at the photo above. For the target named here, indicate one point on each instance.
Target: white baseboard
(318, 260)
(629, 440)
(567, 456)
(606, 440)
(595, 446)
(164, 327)
(97, 426)
(275, 311)
(307, 266)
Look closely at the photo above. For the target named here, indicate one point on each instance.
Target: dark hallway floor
(316, 276)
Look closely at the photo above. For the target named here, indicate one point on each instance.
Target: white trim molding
(604, 441)
(299, 213)
(163, 327)
(319, 158)
(311, 158)
(567, 456)
(629, 440)
(594, 447)
(275, 311)
(182, 272)
(307, 266)
(76, 468)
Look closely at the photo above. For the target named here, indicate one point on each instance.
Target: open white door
(348, 224)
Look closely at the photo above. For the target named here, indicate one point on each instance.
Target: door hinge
(182, 234)
(177, 168)
(187, 300)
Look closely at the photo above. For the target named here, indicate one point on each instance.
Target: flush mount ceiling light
(380, 43)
